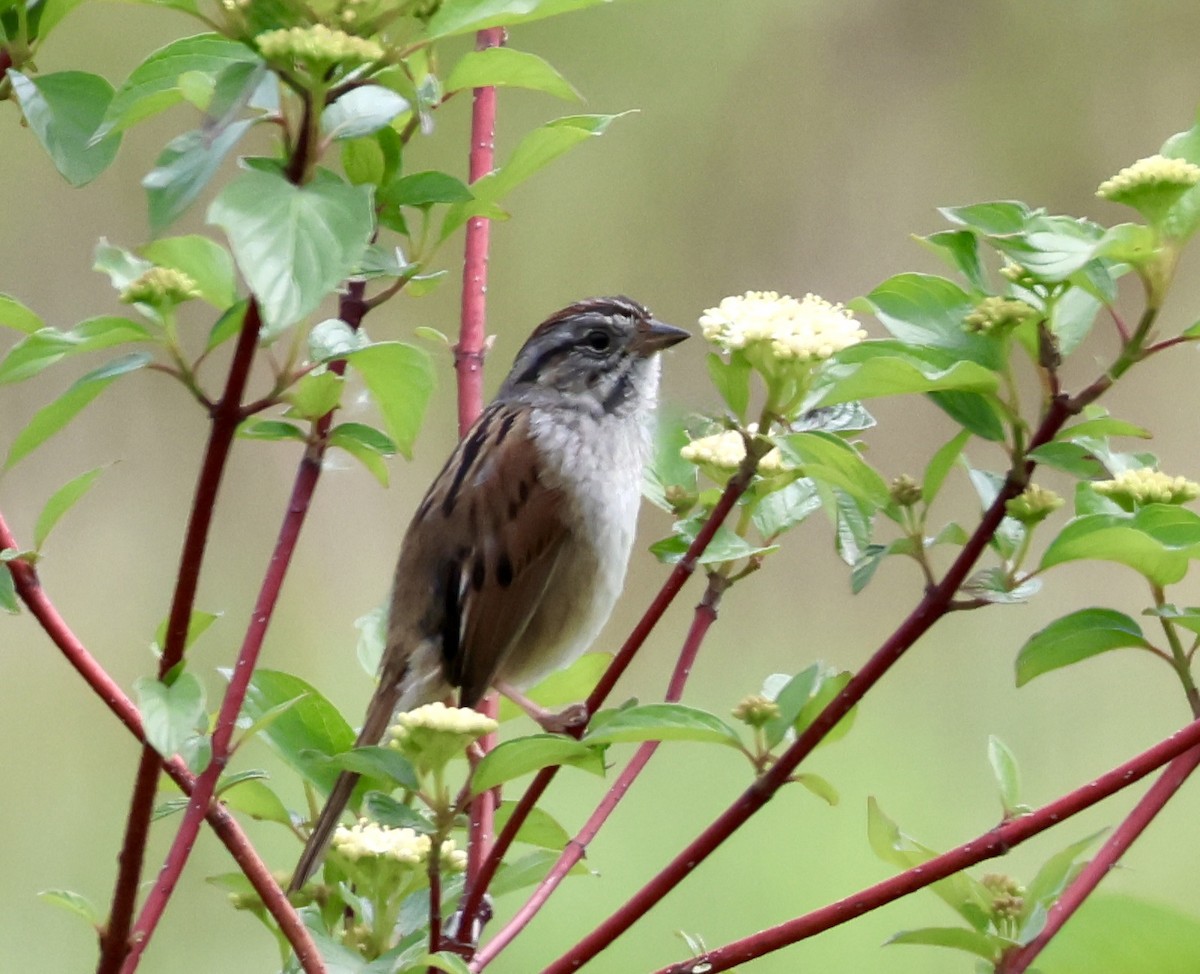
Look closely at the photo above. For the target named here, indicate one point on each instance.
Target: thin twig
(28, 587)
(1184, 745)
(1136, 822)
(225, 418)
(932, 607)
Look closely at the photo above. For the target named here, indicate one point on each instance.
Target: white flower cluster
(1153, 171)
(725, 451)
(451, 720)
(317, 43)
(808, 330)
(1146, 485)
(368, 839)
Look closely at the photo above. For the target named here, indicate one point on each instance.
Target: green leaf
(61, 501)
(1057, 872)
(9, 602)
(154, 85)
(466, 16)
(996, 218)
(1072, 458)
(205, 261)
(538, 149)
(940, 464)
(958, 938)
(960, 892)
(308, 729)
(184, 168)
(198, 624)
(818, 786)
(511, 759)
(1156, 541)
(34, 353)
(50, 419)
(1007, 774)
(73, 902)
(870, 370)
(333, 338)
(562, 687)
(829, 684)
(271, 429)
(1075, 637)
(362, 161)
(732, 380)
(977, 413)
(52, 13)
(121, 266)
(228, 325)
(362, 111)
(784, 508)
(315, 395)
(366, 444)
(527, 871)
(386, 810)
(830, 459)
(505, 67)
(445, 961)
(254, 798)
(383, 763)
(1120, 934)
(63, 110)
(660, 722)
(171, 714)
(400, 379)
(539, 828)
(726, 545)
(13, 314)
(1072, 316)
(293, 244)
(960, 249)
(1102, 425)
(424, 189)
(924, 310)
(1187, 618)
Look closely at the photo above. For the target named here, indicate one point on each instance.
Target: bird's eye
(598, 340)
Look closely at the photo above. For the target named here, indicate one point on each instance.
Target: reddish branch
(468, 364)
(1169, 782)
(933, 606)
(225, 415)
(29, 588)
(997, 842)
(703, 618)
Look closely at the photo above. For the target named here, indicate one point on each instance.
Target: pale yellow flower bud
(160, 286)
(1151, 185)
(368, 839)
(756, 710)
(318, 44)
(722, 454)
(905, 491)
(995, 313)
(1033, 504)
(1134, 488)
(431, 735)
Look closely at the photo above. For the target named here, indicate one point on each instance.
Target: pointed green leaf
(9, 602)
(293, 244)
(511, 759)
(660, 722)
(467, 16)
(184, 168)
(63, 110)
(400, 379)
(377, 761)
(732, 380)
(154, 84)
(830, 459)
(960, 249)
(73, 903)
(171, 714)
(256, 799)
(1006, 772)
(50, 419)
(271, 429)
(1156, 541)
(958, 938)
(1075, 637)
(385, 810)
(362, 111)
(1057, 872)
(13, 314)
(539, 828)
(940, 464)
(871, 370)
(61, 501)
(506, 67)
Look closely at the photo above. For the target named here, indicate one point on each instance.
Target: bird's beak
(656, 335)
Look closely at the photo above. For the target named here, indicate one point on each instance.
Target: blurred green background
(779, 144)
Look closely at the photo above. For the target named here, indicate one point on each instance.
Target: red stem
(351, 310)
(468, 365)
(990, 845)
(932, 607)
(225, 415)
(666, 595)
(29, 588)
(1089, 878)
(703, 618)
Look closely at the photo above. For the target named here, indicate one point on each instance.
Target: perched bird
(516, 556)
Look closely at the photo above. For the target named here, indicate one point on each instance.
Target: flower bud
(756, 710)
(1033, 504)
(1145, 485)
(905, 491)
(994, 314)
(160, 287)
(1151, 185)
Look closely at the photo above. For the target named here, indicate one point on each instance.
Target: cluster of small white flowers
(317, 43)
(453, 859)
(370, 839)
(452, 720)
(1146, 485)
(1157, 171)
(808, 330)
(726, 451)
